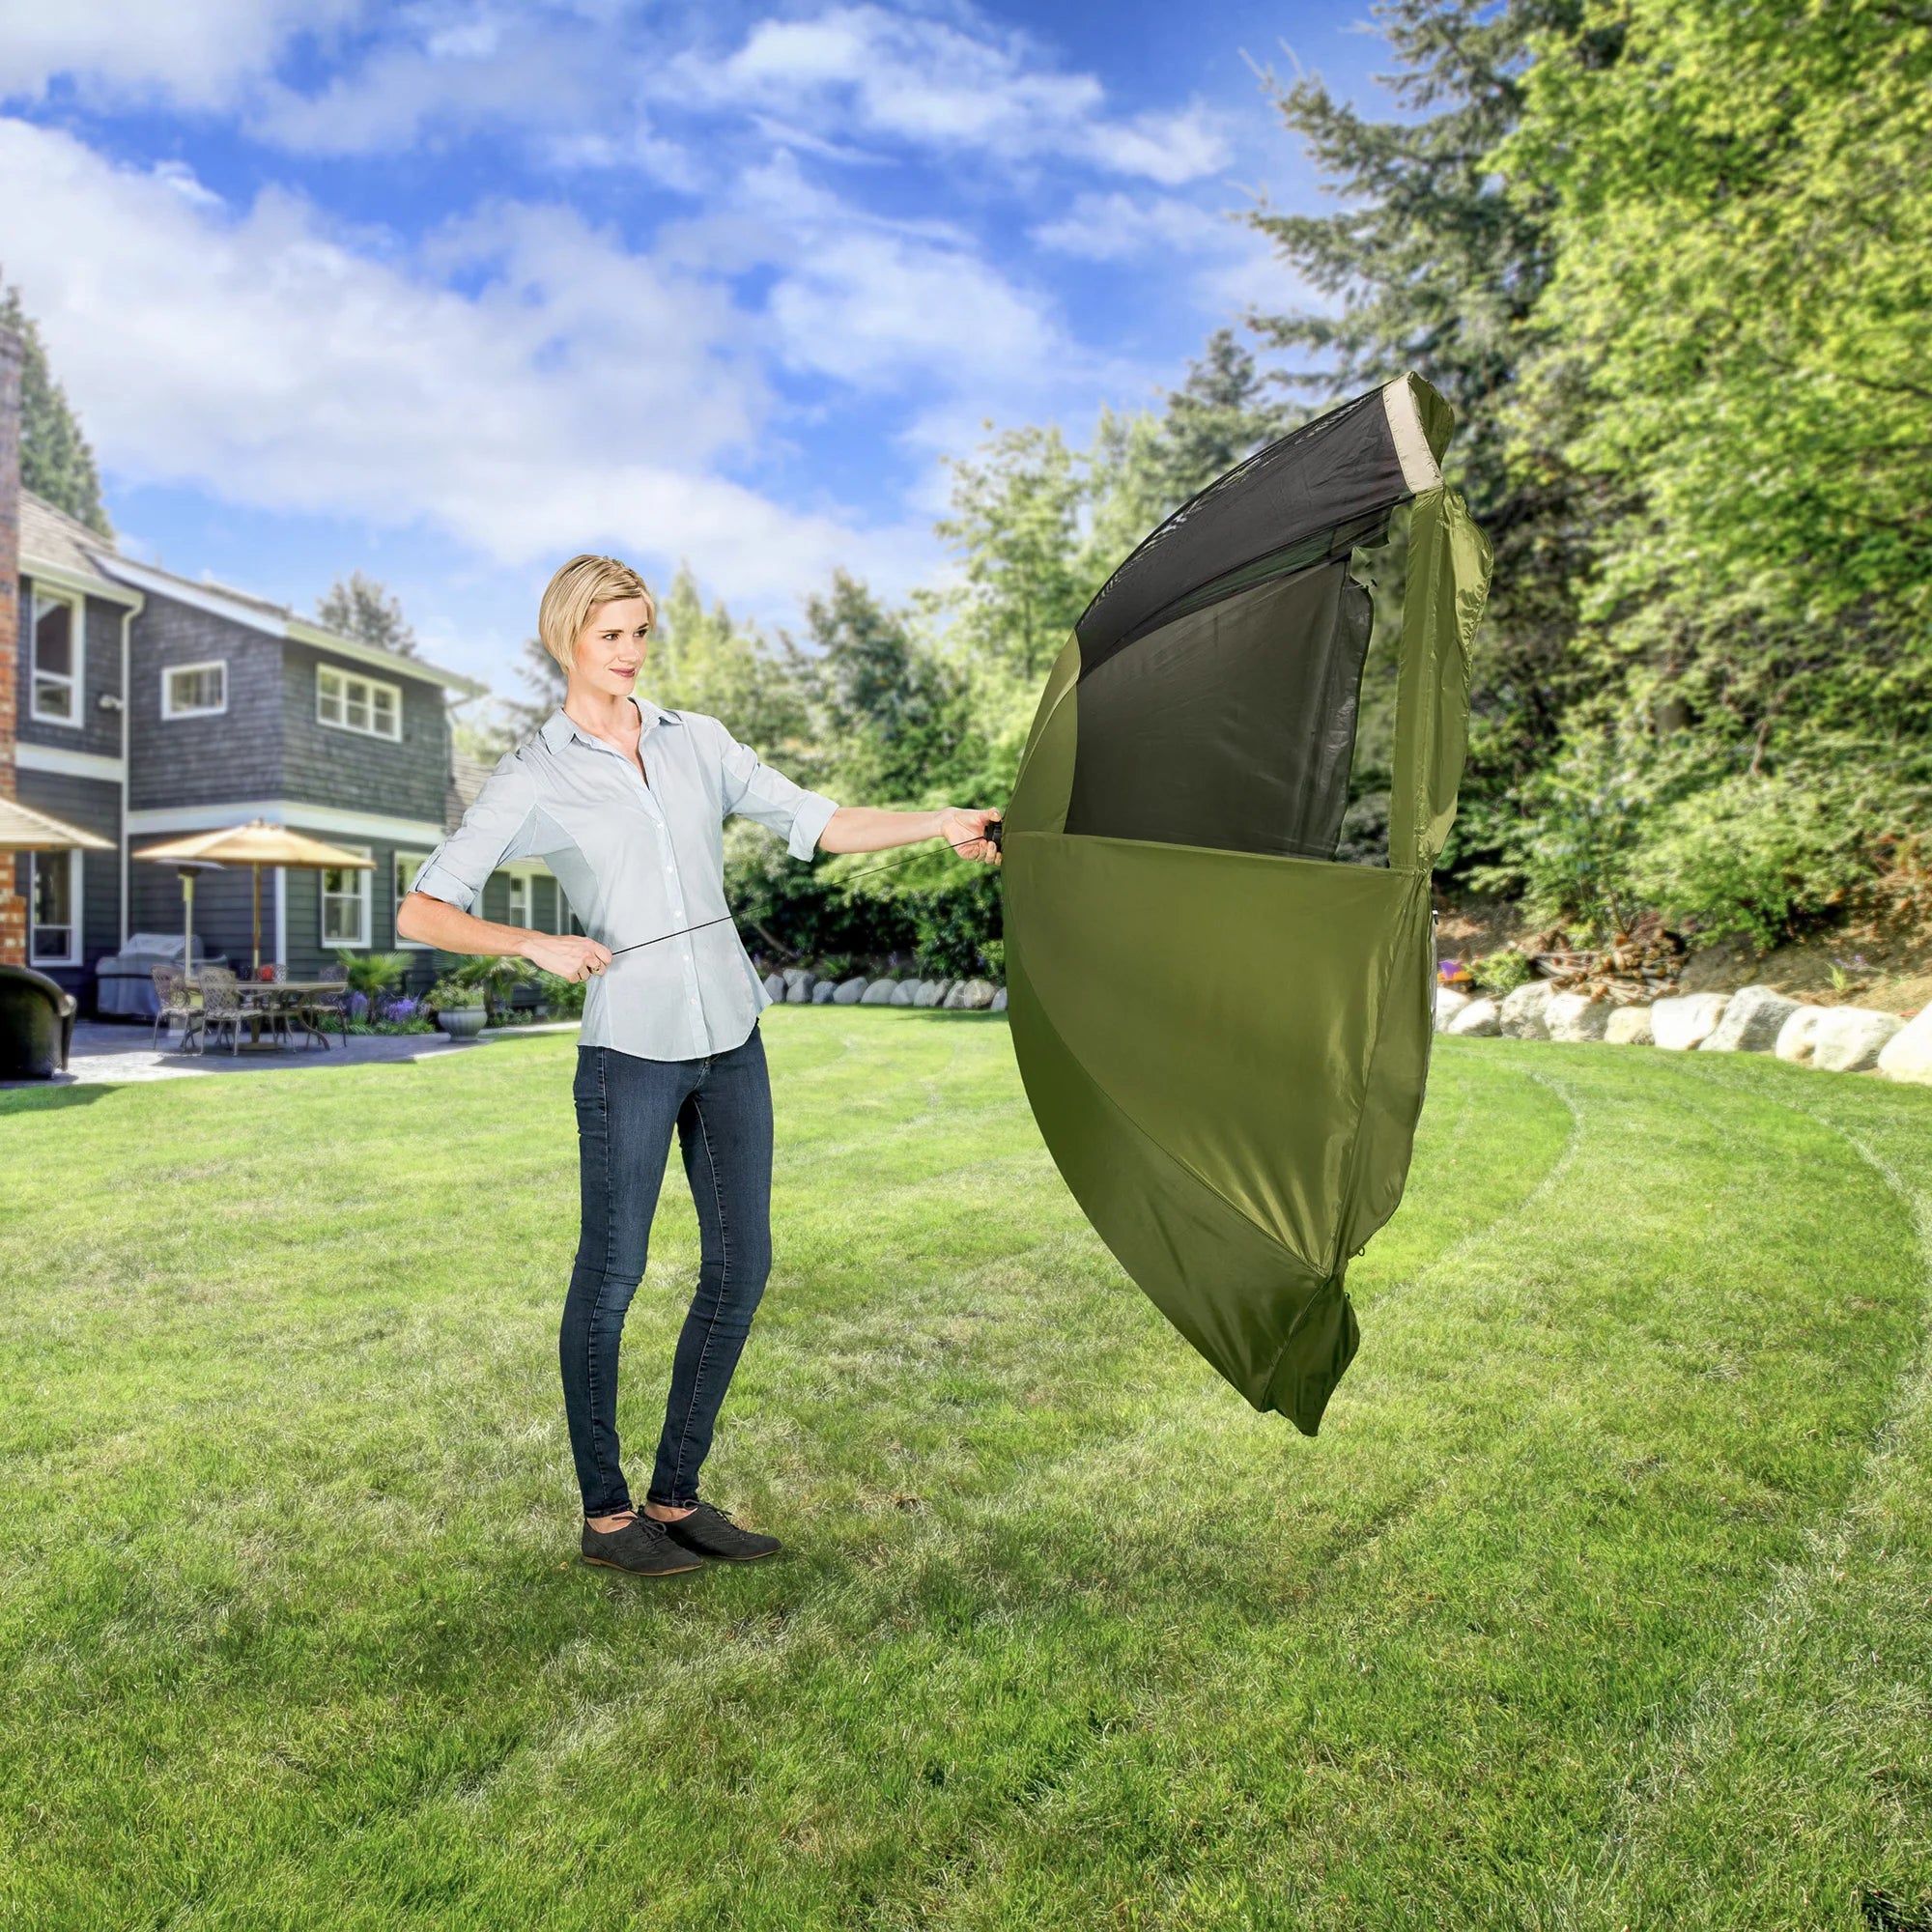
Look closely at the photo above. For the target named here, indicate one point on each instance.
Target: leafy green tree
(1015, 527)
(56, 463)
(1741, 207)
(702, 660)
(359, 606)
(1729, 351)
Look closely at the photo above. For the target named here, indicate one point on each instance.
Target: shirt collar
(558, 728)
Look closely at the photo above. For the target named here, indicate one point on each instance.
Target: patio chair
(220, 1006)
(321, 1010)
(174, 1000)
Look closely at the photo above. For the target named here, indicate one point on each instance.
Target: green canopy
(1224, 1033)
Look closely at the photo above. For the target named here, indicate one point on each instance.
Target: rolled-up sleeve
(500, 826)
(755, 791)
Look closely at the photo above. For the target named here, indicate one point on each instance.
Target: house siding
(96, 731)
(237, 753)
(323, 765)
(94, 805)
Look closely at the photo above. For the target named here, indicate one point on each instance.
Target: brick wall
(12, 911)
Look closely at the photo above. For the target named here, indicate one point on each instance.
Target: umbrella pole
(187, 921)
(257, 870)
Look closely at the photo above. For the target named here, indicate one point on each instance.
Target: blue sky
(448, 291)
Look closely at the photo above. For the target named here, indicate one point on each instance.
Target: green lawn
(1605, 1598)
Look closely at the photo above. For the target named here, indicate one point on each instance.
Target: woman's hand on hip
(566, 955)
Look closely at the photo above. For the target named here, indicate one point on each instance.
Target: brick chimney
(12, 910)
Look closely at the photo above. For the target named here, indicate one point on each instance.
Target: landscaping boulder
(932, 992)
(798, 988)
(1908, 1054)
(879, 993)
(1687, 1021)
(822, 991)
(1448, 1004)
(1630, 1026)
(1521, 1012)
(1849, 1038)
(1576, 1016)
(1479, 1019)
(1752, 1022)
(848, 992)
(1799, 1035)
(775, 986)
(971, 996)
(906, 992)
(999, 1005)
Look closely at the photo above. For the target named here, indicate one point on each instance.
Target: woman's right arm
(501, 824)
(434, 921)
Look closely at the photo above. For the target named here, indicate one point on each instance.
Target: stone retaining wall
(1836, 1039)
(798, 988)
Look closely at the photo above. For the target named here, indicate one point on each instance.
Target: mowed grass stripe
(1070, 1637)
(1822, 1731)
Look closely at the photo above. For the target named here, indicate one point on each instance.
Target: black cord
(990, 837)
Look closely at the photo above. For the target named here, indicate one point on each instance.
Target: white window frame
(415, 861)
(332, 683)
(519, 888)
(75, 878)
(169, 672)
(45, 600)
(363, 880)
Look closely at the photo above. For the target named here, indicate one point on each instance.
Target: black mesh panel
(1230, 727)
(1340, 468)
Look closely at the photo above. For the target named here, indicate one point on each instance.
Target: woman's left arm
(865, 827)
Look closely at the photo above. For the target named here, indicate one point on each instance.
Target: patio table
(286, 1000)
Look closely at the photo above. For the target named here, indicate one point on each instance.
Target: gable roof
(277, 620)
(57, 547)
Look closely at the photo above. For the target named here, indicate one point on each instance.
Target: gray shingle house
(152, 706)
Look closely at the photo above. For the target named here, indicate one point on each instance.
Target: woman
(627, 803)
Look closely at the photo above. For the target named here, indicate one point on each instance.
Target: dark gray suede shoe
(640, 1547)
(710, 1532)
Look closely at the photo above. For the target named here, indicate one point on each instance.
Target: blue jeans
(626, 1108)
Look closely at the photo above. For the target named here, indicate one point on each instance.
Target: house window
(55, 938)
(194, 691)
(345, 903)
(520, 899)
(352, 703)
(56, 669)
(408, 866)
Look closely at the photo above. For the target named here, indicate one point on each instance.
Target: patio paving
(105, 1054)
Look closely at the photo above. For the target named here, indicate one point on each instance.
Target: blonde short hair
(574, 591)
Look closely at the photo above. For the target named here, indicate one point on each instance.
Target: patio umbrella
(22, 829)
(257, 844)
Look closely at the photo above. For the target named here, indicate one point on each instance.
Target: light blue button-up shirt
(638, 862)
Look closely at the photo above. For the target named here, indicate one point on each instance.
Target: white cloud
(194, 53)
(1118, 227)
(578, 396)
(930, 84)
(545, 73)
(879, 304)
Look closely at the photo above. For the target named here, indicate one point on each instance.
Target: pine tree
(56, 463)
(891, 712)
(1432, 265)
